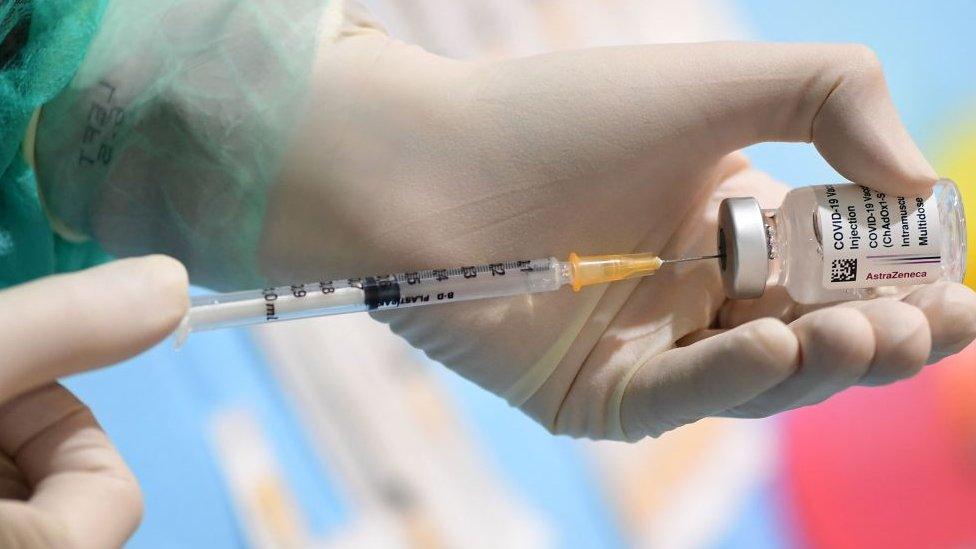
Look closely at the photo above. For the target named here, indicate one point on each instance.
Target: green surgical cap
(42, 44)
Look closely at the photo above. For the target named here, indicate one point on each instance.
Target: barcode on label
(843, 270)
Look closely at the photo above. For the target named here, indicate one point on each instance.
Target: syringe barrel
(379, 293)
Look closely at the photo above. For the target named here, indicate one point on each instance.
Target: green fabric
(163, 128)
(42, 43)
(171, 134)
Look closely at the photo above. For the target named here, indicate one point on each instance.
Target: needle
(687, 259)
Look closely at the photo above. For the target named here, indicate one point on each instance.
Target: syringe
(413, 289)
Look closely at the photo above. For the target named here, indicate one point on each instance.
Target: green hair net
(172, 131)
(42, 43)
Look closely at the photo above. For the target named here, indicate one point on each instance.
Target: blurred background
(333, 433)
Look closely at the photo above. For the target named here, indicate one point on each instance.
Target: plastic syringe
(413, 289)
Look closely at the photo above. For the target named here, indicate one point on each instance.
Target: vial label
(871, 239)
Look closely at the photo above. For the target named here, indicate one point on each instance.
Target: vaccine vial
(845, 242)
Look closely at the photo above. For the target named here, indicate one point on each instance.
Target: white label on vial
(871, 239)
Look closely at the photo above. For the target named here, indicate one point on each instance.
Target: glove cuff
(536, 376)
(30, 138)
(29, 151)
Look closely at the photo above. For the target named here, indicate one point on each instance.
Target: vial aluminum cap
(742, 240)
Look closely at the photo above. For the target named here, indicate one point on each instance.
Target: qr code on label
(843, 270)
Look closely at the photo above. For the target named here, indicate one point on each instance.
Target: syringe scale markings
(411, 289)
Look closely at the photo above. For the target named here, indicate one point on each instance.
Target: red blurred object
(887, 467)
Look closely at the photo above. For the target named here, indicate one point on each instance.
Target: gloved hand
(409, 160)
(62, 484)
(404, 160)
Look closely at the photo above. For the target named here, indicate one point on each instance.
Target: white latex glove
(405, 160)
(408, 160)
(62, 483)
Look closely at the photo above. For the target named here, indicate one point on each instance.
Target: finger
(837, 347)
(83, 493)
(68, 323)
(686, 384)
(725, 96)
(902, 339)
(951, 313)
(775, 303)
(832, 95)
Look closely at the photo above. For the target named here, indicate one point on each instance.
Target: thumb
(857, 128)
(66, 324)
(719, 97)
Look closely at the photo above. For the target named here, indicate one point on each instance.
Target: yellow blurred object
(275, 504)
(599, 269)
(969, 201)
(957, 161)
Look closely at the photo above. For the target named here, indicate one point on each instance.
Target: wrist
(375, 150)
